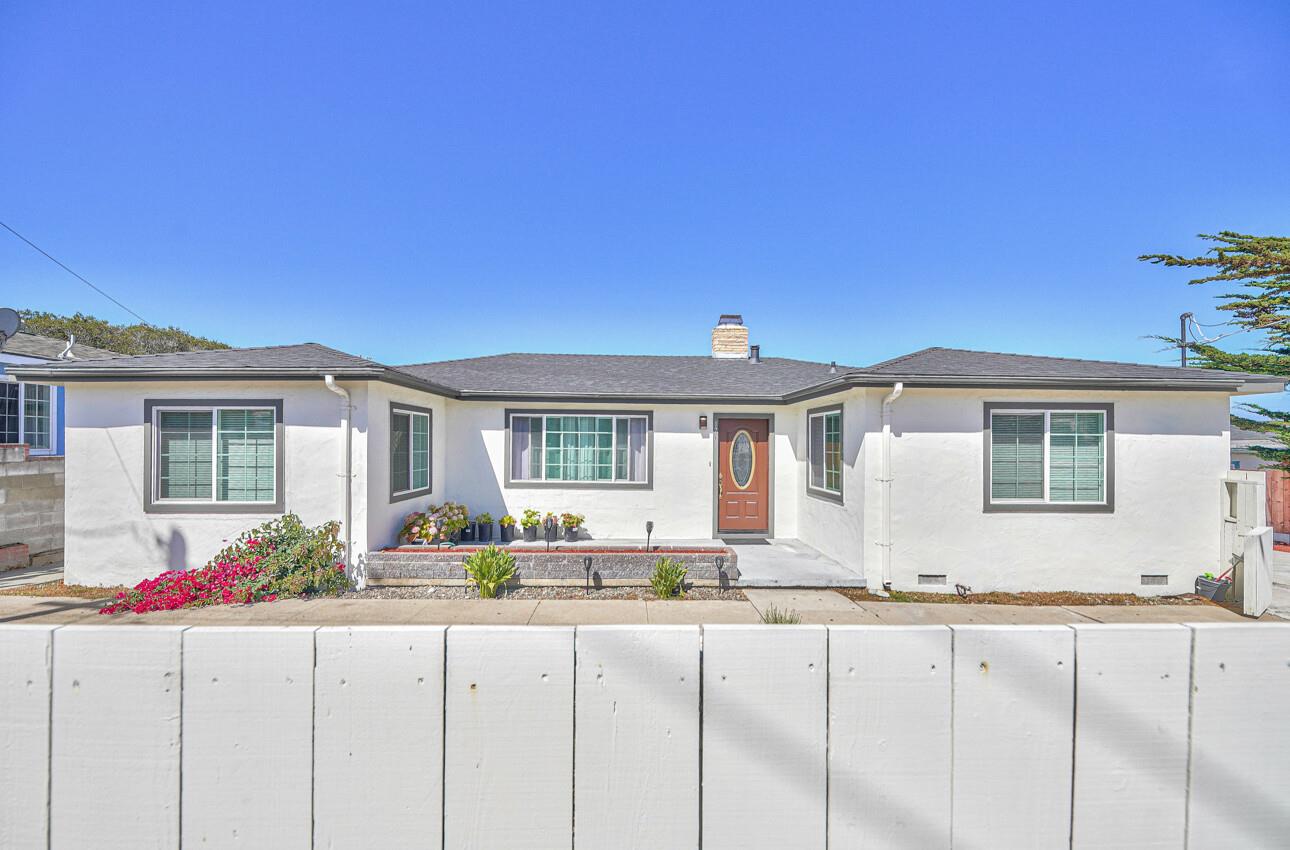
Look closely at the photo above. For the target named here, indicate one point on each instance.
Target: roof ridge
(704, 357)
(246, 348)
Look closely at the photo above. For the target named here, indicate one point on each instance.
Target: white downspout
(885, 478)
(347, 477)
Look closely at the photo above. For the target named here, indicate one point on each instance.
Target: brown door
(743, 475)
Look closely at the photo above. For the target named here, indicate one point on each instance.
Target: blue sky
(415, 181)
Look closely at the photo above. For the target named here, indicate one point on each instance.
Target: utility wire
(61, 265)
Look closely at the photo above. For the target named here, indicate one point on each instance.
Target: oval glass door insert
(742, 461)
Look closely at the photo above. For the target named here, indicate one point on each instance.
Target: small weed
(668, 579)
(781, 617)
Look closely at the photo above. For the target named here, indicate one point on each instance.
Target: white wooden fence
(645, 737)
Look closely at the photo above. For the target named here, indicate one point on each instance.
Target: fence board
(115, 743)
(1240, 752)
(26, 680)
(889, 736)
(1013, 710)
(1132, 686)
(378, 737)
(508, 765)
(637, 737)
(765, 720)
(248, 737)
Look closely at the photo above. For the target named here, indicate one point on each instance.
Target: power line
(63, 266)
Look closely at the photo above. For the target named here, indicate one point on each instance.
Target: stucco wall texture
(1171, 451)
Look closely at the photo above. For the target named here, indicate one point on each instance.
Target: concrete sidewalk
(814, 606)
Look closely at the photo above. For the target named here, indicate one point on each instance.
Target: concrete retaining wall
(31, 504)
(806, 737)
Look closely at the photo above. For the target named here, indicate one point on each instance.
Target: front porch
(623, 562)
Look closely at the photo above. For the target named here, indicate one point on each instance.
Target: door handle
(721, 484)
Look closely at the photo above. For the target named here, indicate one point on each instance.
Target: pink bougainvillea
(280, 558)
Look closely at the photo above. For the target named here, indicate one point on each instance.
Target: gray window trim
(716, 471)
(819, 492)
(527, 484)
(278, 506)
(990, 507)
(395, 407)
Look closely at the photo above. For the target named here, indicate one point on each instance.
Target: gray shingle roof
(964, 363)
(640, 376)
(309, 355)
(651, 377)
(48, 348)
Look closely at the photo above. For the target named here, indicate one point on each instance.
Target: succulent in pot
(507, 524)
(484, 527)
(530, 522)
(571, 524)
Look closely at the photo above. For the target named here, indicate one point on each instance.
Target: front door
(743, 476)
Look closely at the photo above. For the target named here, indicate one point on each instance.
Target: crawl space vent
(927, 578)
(1154, 579)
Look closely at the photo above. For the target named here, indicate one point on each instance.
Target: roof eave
(60, 375)
(1237, 385)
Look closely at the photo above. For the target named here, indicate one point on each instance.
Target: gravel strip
(538, 592)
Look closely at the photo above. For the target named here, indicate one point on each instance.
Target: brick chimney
(730, 337)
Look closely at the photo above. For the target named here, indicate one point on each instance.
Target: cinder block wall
(31, 502)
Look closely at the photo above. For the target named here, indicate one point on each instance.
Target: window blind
(1017, 456)
(184, 454)
(245, 456)
(1077, 457)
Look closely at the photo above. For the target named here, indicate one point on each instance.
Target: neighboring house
(1244, 441)
(32, 412)
(940, 467)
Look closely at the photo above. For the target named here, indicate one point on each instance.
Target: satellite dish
(10, 322)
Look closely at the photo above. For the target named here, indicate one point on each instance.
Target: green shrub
(489, 569)
(531, 519)
(781, 617)
(668, 579)
(295, 559)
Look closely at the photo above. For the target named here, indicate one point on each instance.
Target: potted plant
(417, 529)
(450, 519)
(571, 523)
(1213, 589)
(532, 519)
(484, 527)
(507, 524)
(549, 525)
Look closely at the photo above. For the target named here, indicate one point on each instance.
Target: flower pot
(508, 533)
(454, 536)
(1211, 589)
(483, 531)
(468, 533)
(571, 534)
(530, 533)
(552, 533)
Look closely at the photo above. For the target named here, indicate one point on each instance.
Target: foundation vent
(1148, 579)
(931, 578)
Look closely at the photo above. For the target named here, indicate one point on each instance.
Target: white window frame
(1047, 452)
(595, 414)
(823, 414)
(22, 417)
(214, 410)
(411, 414)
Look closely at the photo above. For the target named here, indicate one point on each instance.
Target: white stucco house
(943, 466)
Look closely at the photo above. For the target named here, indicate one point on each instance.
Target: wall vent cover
(1154, 579)
(928, 578)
